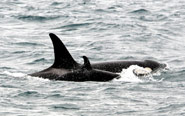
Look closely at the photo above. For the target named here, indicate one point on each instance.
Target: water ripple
(153, 18)
(65, 106)
(140, 11)
(73, 26)
(36, 18)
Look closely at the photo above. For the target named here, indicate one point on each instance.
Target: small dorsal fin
(87, 64)
(63, 58)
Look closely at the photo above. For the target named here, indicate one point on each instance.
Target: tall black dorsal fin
(87, 64)
(63, 58)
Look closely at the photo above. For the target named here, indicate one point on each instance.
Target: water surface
(103, 31)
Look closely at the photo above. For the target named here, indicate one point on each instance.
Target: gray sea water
(103, 30)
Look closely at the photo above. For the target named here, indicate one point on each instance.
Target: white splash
(14, 74)
(127, 75)
(25, 76)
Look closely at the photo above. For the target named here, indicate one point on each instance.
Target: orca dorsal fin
(63, 58)
(87, 64)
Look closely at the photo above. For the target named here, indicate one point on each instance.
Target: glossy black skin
(114, 67)
(117, 66)
(64, 66)
(83, 73)
(88, 75)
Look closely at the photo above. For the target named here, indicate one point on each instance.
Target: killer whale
(65, 68)
(64, 63)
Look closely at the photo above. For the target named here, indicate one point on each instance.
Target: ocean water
(103, 30)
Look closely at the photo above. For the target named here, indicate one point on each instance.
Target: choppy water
(103, 31)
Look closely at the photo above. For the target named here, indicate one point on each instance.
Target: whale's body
(64, 64)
